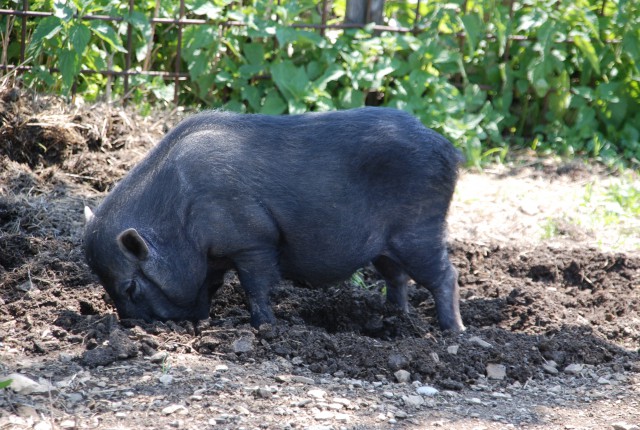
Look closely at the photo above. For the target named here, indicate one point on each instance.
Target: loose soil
(557, 318)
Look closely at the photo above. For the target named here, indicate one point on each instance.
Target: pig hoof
(260, 320)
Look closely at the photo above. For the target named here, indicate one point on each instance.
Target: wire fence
(180, 22)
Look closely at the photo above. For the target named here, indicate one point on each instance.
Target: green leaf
(350, 98)
(587, 49)
(79, 35)
(584, 92)
(473, 28)
(538, 79)
(69, 66)
(287, 35)
(296, 106)
(207, 8)
(248, 71)
(164, 91)
(254, 53)
(62, 10)
(273, 104)
(292, 81)
(333, 73)
(252, 95)
(105, 32)
(5, 383)
(46, 29)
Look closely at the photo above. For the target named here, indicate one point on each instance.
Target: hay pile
(92, 144)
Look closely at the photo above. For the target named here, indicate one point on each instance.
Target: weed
(357, 280)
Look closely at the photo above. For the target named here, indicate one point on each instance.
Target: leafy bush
(553, 75)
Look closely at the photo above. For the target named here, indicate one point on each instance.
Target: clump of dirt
(524, 305)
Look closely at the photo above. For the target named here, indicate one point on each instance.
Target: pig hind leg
(258, 273)
(428, 264)
(397, 280)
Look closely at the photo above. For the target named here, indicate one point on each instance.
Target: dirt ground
(553, 326)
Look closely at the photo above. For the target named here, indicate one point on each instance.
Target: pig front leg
(258, 272)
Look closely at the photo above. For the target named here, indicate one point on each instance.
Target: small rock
(549, 369)
(121, 414)
(413, 401)
(397, 362)
(303, 380)
(603, 381)
(453, 349)
(68, 424)
(158, 357)
(242, 410)
(24, 385)
(172, 409)
(450, 384)
(166, 379)
(221, 368)
(343, 418)
(323, 415)
(496, 371)
(65, 358)
(283, 378)
(26, 411)
(242, 345)
(43, 425)
(477, 341)
(427, 391)
(574, 369)
(75, 397)
(388, 394)
(529, 208)
(341, 401)
(556, 389)
(264, 393)
(317, 394)
(402, 376)
(624, 426)
(400, 414)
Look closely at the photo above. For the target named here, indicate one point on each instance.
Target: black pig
(309, 197)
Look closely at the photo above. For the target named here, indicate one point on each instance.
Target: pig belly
(326, 263)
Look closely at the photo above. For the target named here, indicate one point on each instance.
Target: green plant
(357, 280)
(627, 196)
(6, 383)
(549, 229)
(556, 76)
(166, 365)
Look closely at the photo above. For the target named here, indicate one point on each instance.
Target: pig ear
(133, 244)
(88, 214)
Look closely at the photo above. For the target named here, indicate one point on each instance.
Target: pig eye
(131, 289)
